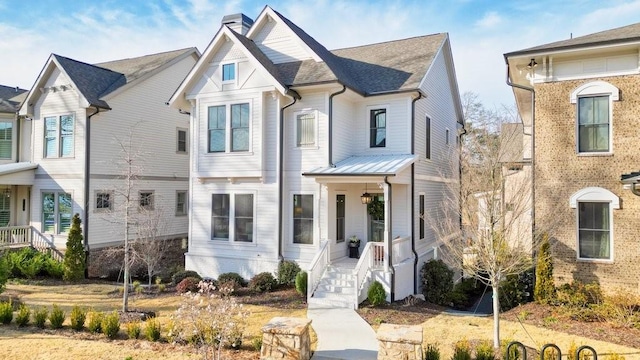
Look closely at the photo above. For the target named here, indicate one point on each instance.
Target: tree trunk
(496, 318)
(125, 294)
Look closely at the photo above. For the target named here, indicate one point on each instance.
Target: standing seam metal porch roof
(369, 165)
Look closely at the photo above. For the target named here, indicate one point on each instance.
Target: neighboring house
(581, 96)
(289, 139)
(69, 135)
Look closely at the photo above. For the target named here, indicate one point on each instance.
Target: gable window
(58, 136)
(181, 203)
(302, 219)
(181, 141)
(593, 124)
(421, 211)
(340, 218)
(217, 128)
(229, 72)
(104, 201)
(6, 136)
(306, 129)
(232, 217)
(594, 218)
(240, 127)
(56, 212)
(428, 137)
(377, 128)
(146, 200)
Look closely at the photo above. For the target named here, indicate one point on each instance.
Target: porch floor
(344, 263)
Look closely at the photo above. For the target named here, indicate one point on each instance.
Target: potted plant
(354, 241)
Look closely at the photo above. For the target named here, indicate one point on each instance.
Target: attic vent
(239, 23)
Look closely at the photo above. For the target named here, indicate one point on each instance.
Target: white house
(68, 139)
(290, 139)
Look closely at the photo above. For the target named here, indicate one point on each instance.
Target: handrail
(42, 243)
(317, 267)
(14, 235)
(362, 268)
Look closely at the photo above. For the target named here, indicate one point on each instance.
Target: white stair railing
(365, 263)
(317, 267)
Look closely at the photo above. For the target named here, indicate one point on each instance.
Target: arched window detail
(594, 113)
(594, 223)
(597, 194)
(595, 88)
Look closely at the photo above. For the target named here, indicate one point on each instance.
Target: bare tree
(492, 200)
(148, 247)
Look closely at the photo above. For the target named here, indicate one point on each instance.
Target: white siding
(280, 44)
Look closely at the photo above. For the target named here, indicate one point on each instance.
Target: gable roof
(624, 34)
(94, 82)
(10, 98)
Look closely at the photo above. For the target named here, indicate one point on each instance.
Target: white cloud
(489, 21)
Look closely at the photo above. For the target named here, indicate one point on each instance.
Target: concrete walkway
(342, 334)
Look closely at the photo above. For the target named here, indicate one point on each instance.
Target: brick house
(581, 98)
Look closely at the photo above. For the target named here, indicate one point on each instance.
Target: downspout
(533, 147)
(344, 88)
(87, 176)
(390, 244)
(19, 121)
(295, 97)
(413, 194)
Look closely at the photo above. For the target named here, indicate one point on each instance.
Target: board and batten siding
(279, 43)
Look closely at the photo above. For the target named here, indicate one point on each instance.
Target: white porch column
(387, 224)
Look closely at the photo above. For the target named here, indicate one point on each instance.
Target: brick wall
(560, 172)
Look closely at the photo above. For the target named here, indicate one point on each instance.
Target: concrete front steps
(336, 289)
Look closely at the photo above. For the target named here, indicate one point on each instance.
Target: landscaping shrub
(301, 283)
(544, 291)
(263, 282)
(431, 352)
(56, 317)
(29, 263)
(6, 312)
(133, 330)
(623, 308)
(74, 257)
(578, 294)
(52, 267)
(287, 271)
(437, 282)
(516, 290)
(256, 342)
(465, 292)
(40, 317)
(462, 350)
(152, 330)
(181, 275)
(77, 317)
(231, 276)
(376, 294)
(95, 322)
(4, 271)
(484, 351)
(189, 284)
(111, 325)
(23, 316)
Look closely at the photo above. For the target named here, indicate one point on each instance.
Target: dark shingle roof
(10, 98)
(618, 35)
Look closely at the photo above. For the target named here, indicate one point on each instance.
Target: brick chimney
(239, 23)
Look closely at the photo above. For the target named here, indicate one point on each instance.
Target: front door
(375, 216)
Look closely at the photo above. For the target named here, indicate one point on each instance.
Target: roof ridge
(147, 55)
(388, 41)
(84, 63)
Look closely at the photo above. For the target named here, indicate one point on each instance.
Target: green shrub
(4, 271)
(56, 317)
(431, 352)
(189, 284)
(74, 256)
(152, 330)
(32, 267)
(263, 282)
(462, 350)
(133, 330)
(6, 312)
(301, 283)
(181, 275)
(516, 290)
(256, 342)
(40, 317)
(16, 259)
(225, 278)
(437, 282)
(484, 351)
(376, 294)
(95, 322)
(287, 271)
(578, 294)
(544, 291)
(77, 317)
(111, 325)
(52, 267)
(23, 316)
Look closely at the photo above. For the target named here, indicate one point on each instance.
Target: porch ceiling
(22, 173)
(370, 165)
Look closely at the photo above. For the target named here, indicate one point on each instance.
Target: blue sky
(480, 30)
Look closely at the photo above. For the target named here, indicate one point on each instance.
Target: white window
(5, 206)
(228, 72)
(340, 218)
(6, 136)
(302, 219)
(594, 110)
(594, 218)
(422, 214)
(377, 128)
(56, 212)
(232, 217)
(104, 201)
(447, 134)
(235, 117)
(181, 141)
(181, 203)
(146, 199)
(427, 126)
(306, 129)
(58, 136)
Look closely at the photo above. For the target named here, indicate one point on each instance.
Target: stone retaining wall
(399, 342)
(286, 339)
